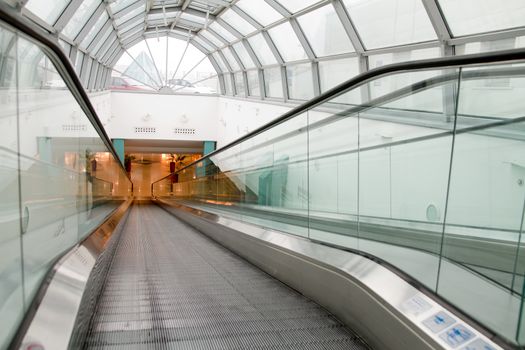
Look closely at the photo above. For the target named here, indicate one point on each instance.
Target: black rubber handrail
(50, 46)
(437, 63)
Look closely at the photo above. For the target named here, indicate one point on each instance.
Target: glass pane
(334, 72)
(253, 83)
(287, 42)
(260, 11)
(11, 293)
(384, 23)
(225, 34)
(120, 4)
(49, 12)
(490, 46)
(273, 83)
(486, 199)
(94, 30)
(228, 84)
(220, 62)
(325, 32)
(79, 19)
(478, 16)
(237, 22)
(333, 176)
(102, 40)
(246, 60)
(211, 37)
(276, 177)
(129, 15)
(296, 5)
(262, 50)
(300, 81)
(239, 84)
(202, 42)
(231, 60)
(375, 61)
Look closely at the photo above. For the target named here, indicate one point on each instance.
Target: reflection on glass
(59, 180)
(12, 306)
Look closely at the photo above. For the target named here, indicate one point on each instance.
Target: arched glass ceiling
(165, 62)
(278, 49)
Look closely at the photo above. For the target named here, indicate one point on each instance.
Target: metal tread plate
(170, 287)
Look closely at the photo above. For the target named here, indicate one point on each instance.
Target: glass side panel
(300, 81)
(478, 16)
(243, 54)
(325, 32)
(334, 72)
(273, 84)
(253, 83)
(296, 5)
(384, 23)
(49, 12)
(239, 84)
(69, 182)
(333, 175)
(287, 42)
(237, 22)
(223, 32)
(12, 308)
(94, 31)
(275, 173)
(262, 50)
(79, 19)
(260, 11)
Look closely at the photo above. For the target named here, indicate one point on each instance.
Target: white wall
(238, 117)
(163, 112)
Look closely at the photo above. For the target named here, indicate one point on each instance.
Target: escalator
(343, 224)
(171, 287)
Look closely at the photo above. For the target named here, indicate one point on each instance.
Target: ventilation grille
(185, 131)
(145, 130)
(74, 127)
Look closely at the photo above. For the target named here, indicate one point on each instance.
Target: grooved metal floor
(171, 287)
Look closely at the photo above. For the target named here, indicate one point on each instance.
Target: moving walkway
(385, 213)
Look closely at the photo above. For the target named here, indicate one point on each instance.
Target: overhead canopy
(283, 49)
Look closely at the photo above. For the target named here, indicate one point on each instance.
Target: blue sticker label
(438, 322)
(457, 335)
(479, 344)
